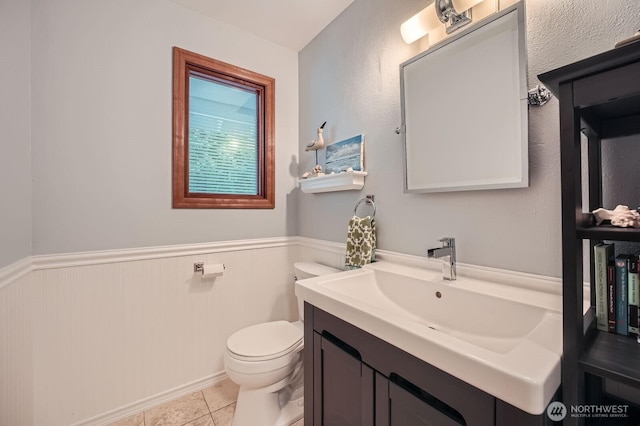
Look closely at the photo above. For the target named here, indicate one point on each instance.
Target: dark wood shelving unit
(599, 98)
(612, 356)
(608, 232)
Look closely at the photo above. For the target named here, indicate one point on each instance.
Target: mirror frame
(520, 181)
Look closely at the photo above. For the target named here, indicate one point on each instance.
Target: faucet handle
(448, 241)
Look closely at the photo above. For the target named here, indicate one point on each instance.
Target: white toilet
(266, 361)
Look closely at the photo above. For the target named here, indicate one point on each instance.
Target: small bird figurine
(318, 143)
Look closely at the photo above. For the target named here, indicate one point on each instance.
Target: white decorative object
(315, 172)
(621, 216)
(345, 181)
(315, 175)
(318, 143)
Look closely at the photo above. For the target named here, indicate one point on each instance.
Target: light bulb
(419, 24)
(462, 5)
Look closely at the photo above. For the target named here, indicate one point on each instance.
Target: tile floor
(213, 406)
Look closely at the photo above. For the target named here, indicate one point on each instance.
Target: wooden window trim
(183, 62)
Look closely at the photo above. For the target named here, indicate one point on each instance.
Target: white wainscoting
(88, 337)
(16, 346)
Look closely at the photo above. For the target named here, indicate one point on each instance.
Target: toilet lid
(270, 339)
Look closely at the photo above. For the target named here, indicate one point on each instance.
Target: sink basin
(443, 306)
(503, 339)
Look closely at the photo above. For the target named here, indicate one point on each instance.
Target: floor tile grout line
(198, 418)
(205, 401)
(224, 406)
(208, 407)
(219, 408)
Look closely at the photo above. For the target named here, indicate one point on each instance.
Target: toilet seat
(264, 348)
(266, 341)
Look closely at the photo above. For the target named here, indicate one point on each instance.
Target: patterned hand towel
(361, 242)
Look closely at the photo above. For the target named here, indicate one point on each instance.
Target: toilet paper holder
(199, 267)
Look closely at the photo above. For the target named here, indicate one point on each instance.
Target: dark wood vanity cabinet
(401, 406)
(353, 378)
(345, 387)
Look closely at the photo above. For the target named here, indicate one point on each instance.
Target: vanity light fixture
(454, 14)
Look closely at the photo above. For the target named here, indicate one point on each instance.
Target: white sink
(502, 339)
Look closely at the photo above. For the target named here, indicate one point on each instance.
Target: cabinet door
(409, 405)
(345, 385)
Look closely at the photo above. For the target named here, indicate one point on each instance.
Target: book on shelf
(622, 294)
(611, 296)
(602, 253)
(634, 296)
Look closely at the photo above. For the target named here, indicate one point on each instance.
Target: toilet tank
(304, 270)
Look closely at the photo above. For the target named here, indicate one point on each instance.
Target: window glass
(223, 138)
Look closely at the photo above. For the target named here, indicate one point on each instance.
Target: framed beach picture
(344, 154)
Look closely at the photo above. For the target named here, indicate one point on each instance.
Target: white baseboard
(153, 401)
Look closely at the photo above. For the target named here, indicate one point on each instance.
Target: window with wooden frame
(223, 135)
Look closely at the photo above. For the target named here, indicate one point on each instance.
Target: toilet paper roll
(213, 269)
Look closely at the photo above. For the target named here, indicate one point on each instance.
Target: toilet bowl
(265, 360)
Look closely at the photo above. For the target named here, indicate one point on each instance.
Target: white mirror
(464, 109)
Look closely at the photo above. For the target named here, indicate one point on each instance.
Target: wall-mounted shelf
(346, 181)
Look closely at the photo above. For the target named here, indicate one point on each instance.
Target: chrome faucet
(448, 253)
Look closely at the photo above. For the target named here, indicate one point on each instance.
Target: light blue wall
(102, 126)
(349, 76)
(101, 175)
(85, 112)
(15, 131)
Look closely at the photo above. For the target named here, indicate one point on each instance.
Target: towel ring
(367, 201)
